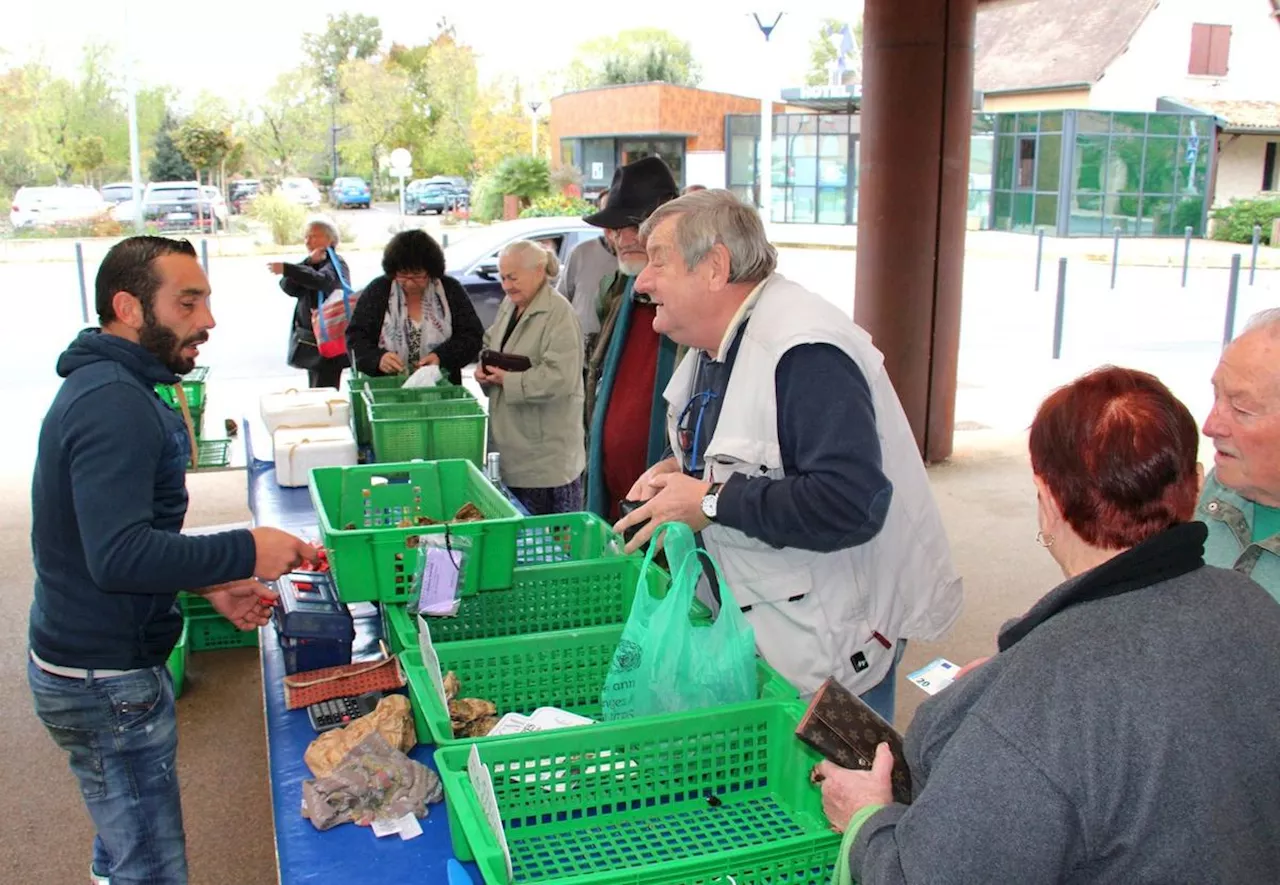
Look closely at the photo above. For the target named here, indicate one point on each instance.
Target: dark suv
(239, 193)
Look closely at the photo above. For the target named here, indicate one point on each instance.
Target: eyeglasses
(689, 429)
(416, 277)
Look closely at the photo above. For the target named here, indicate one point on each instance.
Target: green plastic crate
(193, 383)
(177, 662)
(213, 632)
(561, 537)
(627, 802)
(565, 596)
(194, 604)
(356, 385)
(374, 558)
(519, 674)
(213, 453)
(432, 431)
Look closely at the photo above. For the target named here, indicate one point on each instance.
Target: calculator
(338, 712)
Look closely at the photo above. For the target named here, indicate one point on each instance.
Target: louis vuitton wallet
(841, 727)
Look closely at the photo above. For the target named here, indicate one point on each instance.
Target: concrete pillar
(913, 191)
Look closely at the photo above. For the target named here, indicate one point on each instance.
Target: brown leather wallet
(508, 362)
(840, 726)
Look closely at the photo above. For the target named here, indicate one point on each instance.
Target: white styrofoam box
(322, 407)
(298, 450)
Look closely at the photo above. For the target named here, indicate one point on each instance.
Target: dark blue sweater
(108, 497)
(834, 493)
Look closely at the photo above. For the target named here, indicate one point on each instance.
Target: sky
(236, 48)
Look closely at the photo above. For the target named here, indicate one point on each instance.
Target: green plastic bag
(666, 664)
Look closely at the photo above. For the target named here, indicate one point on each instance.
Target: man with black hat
(630, 365)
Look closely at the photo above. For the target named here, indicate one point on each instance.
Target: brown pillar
(913, 190)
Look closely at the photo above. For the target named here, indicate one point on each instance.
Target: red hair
(1118, 452)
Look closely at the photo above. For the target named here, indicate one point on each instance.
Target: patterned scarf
(436, 326)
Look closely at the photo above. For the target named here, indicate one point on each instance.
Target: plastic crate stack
(212, 453)
(704, 796)
(203, 629)
(401, 423)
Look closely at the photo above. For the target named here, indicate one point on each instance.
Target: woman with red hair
(1128, 730)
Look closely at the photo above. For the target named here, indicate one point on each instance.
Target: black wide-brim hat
(636, 190)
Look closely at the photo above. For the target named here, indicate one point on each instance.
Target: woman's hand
(430, 359)
(492, 375)
(276, 267)
(846, 791)
(390, 364)
(318, 256)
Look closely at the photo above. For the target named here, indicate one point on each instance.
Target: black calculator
(338, 712)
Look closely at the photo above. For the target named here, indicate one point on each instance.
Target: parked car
(239, 193)
(473, 260)
(53, 206)
(183, 205)
(348, 191)
(437, 198)
(301, 191)
(456, 182)
(119, 192)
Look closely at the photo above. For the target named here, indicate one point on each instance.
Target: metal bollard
(1233, 290)
(1115, 255)
(444, 240)
(1253, 259)
(1186, 254)
(1039, 255)
(204, 255)
(84, 294)
(1060, 307)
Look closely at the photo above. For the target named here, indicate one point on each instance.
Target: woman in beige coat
(535, 415)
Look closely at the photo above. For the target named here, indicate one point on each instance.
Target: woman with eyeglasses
(413, 315)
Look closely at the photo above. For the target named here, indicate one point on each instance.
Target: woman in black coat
(413, 315)
(310, 282)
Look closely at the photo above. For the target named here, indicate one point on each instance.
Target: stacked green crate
(210, 453)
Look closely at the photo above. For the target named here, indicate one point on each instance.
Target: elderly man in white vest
(791, 454)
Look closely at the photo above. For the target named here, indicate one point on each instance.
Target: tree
(640, 55)
(500, 127)
(88, 154)
(288, 126)
(168, 164)
(346, 38)
(443, 81)
(377, 104)
(825, 49)
(204, 146)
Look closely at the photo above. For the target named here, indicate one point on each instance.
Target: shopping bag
(333, 314)
(666, 664)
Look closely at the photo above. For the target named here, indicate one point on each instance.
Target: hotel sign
(839, 92)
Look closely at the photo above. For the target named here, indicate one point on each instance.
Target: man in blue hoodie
(108, 500)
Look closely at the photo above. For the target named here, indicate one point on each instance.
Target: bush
(282, 218)
(558, 204)
(522, 176)
(565, 177)
(1235, 222)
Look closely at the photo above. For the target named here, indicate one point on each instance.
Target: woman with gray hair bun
(531, 370)
(309, 282)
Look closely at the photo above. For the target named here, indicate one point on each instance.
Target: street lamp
(765, 154)
(534, 104)
(135, 155)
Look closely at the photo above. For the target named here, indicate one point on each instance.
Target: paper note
(439, 582)
(482, 783)
(385, 827)
(934, 676)
(408, 827)
(431, 661)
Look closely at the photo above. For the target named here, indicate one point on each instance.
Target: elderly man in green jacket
(1240, 502)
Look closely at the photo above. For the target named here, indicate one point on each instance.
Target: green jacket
(1230, 545)
(602, 376)
(535, 417)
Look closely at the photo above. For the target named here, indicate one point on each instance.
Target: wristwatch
(710, 500)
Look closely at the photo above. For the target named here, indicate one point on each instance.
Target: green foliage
(203, 146)
(347, 37)
(486, 198)
(168, 164)
(376, 108)
(640, 55)
(522, 176)
(283, 219)
(88, 154)
(1235, 222)
(557, 205)
(443, 85)
(290, 128)
(823, 50)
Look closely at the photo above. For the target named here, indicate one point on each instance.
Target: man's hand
(278, 553)
(430, 359)
(845, 791)
(276, 267)
(247, 604)
(391, 364)
(644, 489)
(678, 499)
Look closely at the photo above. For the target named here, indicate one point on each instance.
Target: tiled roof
(1241, 116)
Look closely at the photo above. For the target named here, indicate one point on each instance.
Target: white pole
(135, 156)
(535, 133)
(765, 153)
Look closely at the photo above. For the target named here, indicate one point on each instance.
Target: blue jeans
(121, 734)
(883, 698)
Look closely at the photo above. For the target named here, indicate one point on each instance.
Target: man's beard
(632, 267)
(160, 341)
